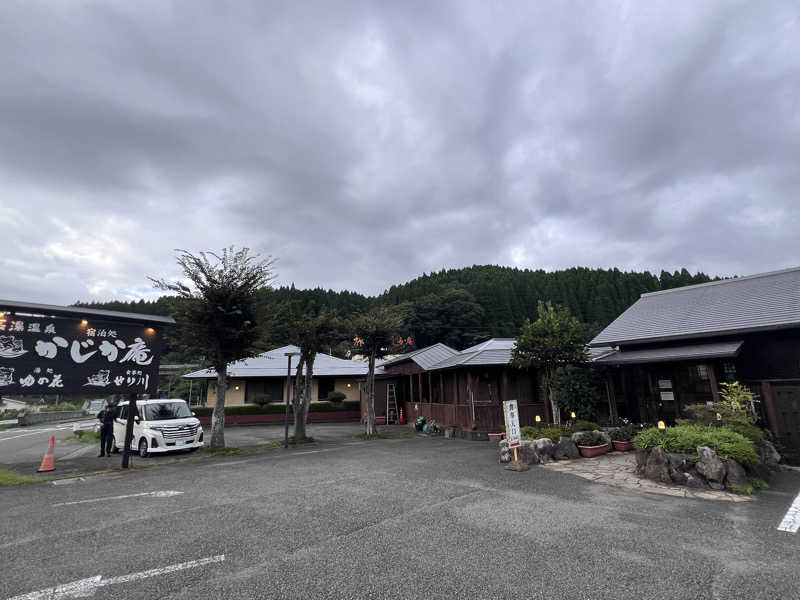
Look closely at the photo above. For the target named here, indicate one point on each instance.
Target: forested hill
(462, 306)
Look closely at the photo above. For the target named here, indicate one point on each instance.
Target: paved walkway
(619, 469)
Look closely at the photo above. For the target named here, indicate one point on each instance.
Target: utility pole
(132, 414)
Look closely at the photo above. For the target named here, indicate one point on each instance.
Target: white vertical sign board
(512, 423)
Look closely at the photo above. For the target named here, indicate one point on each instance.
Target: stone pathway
(619, 469)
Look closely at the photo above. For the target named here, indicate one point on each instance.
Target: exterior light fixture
(661, 426)
(150, 331)
(572, 415)
(236, 387)
(84, 322)
(538, 419)
(349, 385)
(719, 417)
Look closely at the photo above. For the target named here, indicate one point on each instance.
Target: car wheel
(143, 448)
(114, 448)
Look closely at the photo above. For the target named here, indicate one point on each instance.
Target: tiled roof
(728, 307)
(425, 357)
(671, 353)
(496, 351)
(274, 363)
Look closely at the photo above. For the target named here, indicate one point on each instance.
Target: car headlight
(155, 428)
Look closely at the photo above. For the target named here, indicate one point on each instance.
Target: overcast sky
(366, 143)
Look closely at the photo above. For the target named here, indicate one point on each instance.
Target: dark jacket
(107, 416)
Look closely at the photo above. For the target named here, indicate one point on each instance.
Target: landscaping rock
(695, 480)
(710, 466)
(681, 462)
(715, 485)
(574, 437)
(528, 454)
(768, 455)
(505, 453)
(544, 448)
(641, 460)
(566, 449)
(657, 467)
(735, 474)
(605, 436)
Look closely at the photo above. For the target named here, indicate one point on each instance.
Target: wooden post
(455, 386)
(712, 379)
(419, 382)
(613, 412)
(504, 392)
(411, 388)
(769, 405)
(441, 387)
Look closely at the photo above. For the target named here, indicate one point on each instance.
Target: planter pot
(592, 451)
(623, 446)
(496, 437)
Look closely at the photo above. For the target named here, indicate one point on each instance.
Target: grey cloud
(366, 142)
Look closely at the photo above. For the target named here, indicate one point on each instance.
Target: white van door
(119, 427)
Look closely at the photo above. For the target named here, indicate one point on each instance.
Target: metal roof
(729, 307)
(496, 351)
(274, 363)
(80, 312)
(425, 357)
(671, 353)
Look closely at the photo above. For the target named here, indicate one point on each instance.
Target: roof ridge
(721, 281)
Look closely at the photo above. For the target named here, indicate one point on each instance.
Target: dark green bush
(59, 407)
(277, 409)
(586, 426)
(737, 420)
(625, 433)
(532, 433)
(590, 438)
(8, 414)
(686, 438)
(336, 397)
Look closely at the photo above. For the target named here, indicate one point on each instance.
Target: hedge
(273, 409)
(686, 438)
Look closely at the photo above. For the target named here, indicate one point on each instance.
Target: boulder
(715, 485)
(710, 466)
(565, 449)
(574, 437)
(544, 449)
(657, 467)
(505, 453)
(641, 460)
(527, 453)
(680, 462)
(695, 480)
(768, 455)
(735, 474)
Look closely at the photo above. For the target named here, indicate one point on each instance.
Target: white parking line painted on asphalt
(791, 520)
(159, 494)
(85, 588)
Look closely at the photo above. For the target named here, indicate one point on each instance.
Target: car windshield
(164, 411)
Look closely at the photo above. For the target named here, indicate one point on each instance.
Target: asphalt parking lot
(395, 518)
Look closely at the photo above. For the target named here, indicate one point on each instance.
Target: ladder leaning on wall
(391, 404)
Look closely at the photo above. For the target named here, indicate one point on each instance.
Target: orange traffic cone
(49, 460)
(402, 419)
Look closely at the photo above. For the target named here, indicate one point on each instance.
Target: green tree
(578, 389)
(376, 334)
(218, 312)
(312, 334)
(554, 339)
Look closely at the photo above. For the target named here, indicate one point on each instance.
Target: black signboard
(56, 355)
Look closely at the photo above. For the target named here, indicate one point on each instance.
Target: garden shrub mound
(686, 438)
(704, 456)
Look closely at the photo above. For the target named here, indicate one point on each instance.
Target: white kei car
(161, 426)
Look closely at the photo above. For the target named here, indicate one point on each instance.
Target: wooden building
(462, 389)
(675, 347)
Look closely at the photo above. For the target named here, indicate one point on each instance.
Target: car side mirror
(135, 419)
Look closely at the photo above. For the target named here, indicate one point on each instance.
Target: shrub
(735, 419)
(590, 438)
(625, 433)
(553, 433)
(586, 426)
(9, 413)
(262, 399)
(336, 397)
(59, 407)
(580, 389)
(686, 438)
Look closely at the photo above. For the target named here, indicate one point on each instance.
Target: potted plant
(622, 438)
(591, 444)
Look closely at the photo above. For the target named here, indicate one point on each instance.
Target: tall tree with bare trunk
(377, 333)
(313, 334)
(218, 314)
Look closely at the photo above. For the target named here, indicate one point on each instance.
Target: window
(325, 385)
(123, 413)
(702, 372)
(164, 411)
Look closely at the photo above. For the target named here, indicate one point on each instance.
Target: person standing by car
(106, 418)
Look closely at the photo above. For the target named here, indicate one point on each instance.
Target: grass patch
(13, 478)
(85, 436)
(753, 485)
